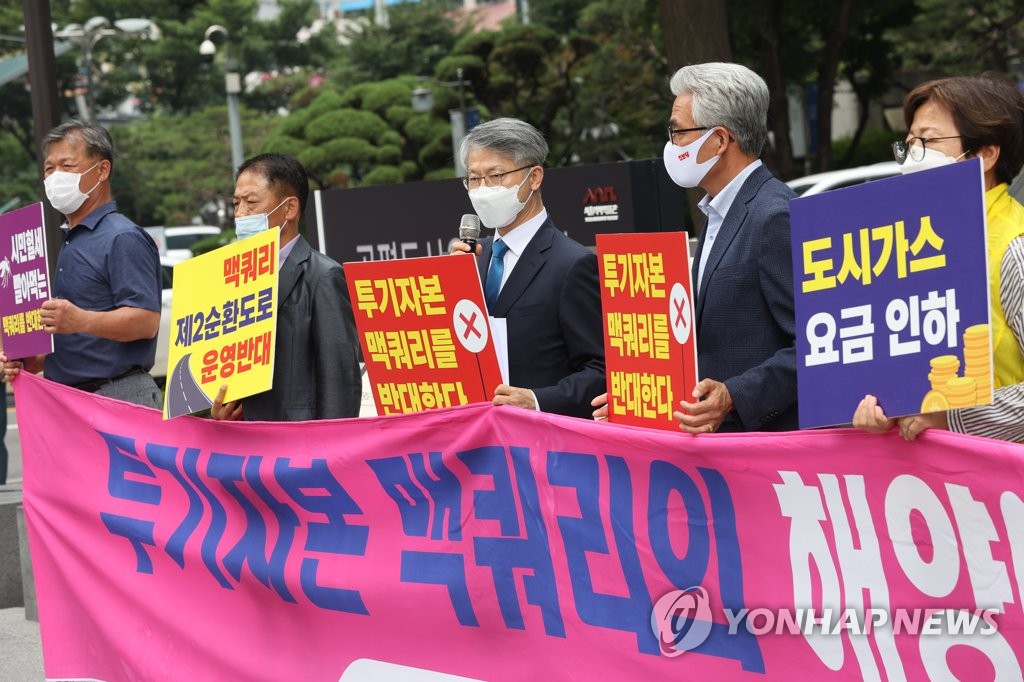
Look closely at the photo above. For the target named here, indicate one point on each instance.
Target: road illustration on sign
(184, 396)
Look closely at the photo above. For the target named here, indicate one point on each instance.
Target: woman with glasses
(962, 118)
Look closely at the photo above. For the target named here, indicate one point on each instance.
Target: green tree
(623, 98)
(963, 37)
(418, 37)
(528, 72)
(368, 134)
(169, 165)
(170, 75)
(803, 42)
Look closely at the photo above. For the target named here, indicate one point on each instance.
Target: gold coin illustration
(934, 402)
(948, 363)
(976, 331)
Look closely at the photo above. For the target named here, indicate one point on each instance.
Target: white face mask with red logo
(681, 162)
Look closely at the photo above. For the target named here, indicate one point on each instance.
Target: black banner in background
(416, 219)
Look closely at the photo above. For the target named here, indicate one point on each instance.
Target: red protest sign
(423, 329)
(649, 340)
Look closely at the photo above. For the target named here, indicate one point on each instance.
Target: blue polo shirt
(106, 262)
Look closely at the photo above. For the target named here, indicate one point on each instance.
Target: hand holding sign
(61, 316)
(708, 413)
(229, 411)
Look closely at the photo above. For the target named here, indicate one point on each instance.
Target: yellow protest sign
(223, 324)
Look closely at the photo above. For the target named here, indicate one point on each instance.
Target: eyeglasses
(672, 132)
(915, 147)
(491, 180)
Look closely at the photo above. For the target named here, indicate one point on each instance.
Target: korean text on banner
(650, 345)
(424, 333)
(496, 544)
(24, 282)
(891, 285)
(223, 324)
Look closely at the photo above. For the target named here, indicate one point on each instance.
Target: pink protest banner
(24, 282)
(502, 544)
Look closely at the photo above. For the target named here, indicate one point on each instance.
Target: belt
(93, 385)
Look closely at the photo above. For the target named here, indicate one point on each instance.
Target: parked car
(847, 177)
(163, 336)
(180, 239)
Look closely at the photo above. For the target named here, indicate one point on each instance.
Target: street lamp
(86, 35)
(232, 86)
(423, 101)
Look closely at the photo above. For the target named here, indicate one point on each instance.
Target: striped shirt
(1004, 418)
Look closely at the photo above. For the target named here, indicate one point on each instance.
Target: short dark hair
(95, 137)
(986, 111)
(280, 171)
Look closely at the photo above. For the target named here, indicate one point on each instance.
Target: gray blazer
(316, 369)
(744, 310)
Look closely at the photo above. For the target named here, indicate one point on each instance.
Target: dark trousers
(3, 435)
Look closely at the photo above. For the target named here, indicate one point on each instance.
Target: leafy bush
(383, 175)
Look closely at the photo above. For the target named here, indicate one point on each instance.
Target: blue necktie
(494, 274)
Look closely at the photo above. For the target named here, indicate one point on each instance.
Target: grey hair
(509, 137)
(95, 137)
(729, 95)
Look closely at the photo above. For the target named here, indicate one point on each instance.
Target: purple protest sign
(24, 282)
(892, 296)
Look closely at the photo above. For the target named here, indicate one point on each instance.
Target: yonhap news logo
(682, 621)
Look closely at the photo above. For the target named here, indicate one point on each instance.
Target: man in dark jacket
(542, 283)
(316, 366)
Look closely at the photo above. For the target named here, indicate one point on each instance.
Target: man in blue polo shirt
(105, 309)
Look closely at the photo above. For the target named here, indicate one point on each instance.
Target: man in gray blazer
(743, 268)
(316, 366)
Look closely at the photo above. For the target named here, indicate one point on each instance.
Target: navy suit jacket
(552, 303)
(744, 310)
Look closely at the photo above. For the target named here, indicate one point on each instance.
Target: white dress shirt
(716, 208)
(517, 240)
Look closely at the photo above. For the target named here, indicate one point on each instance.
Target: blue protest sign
(892, 295)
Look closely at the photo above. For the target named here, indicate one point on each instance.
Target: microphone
(469, 231)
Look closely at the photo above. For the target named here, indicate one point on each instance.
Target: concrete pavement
(21, 653)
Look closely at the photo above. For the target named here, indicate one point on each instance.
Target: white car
(847, 177)
(163, 336)
(180, 239)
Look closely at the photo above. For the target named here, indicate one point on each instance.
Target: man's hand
(11, 368)
(61, 316)
(517, 397)
(912, 426)
(601, 403)
(871, 418)
(463, 247)
(713, 404)
(222, 411)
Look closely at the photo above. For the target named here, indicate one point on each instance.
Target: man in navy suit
(743, 268)
(544, 284)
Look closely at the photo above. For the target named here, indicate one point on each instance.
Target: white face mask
(248, 225)
(498, 206)
(681, 162)
(63, 192)
(932, 159)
